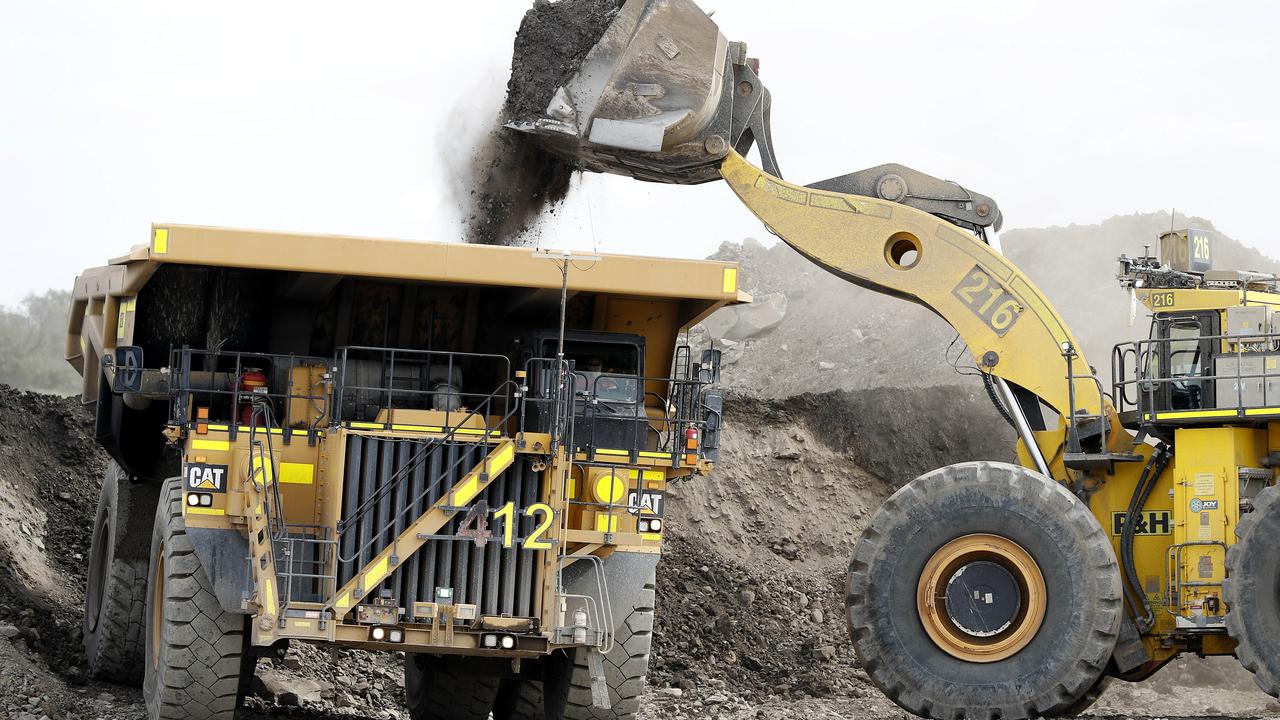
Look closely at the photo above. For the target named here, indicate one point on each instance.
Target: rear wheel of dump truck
(196, 662)
(1252, 591)
(448, 688)
(116, 591)
(984, 590)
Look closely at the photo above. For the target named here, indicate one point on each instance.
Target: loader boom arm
(1011, 329)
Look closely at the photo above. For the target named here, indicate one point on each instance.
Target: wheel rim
(981, 598)
(98, 572)
(156, 608)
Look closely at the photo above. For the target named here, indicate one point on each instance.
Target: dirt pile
(512, 179)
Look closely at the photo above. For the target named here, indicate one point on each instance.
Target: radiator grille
(499, 581)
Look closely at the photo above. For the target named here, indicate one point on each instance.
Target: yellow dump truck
(457, 451)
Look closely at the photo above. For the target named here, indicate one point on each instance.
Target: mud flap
(224, 557)
(1130, 653)
(599, 687)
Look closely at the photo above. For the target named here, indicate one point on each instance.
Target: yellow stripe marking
(654, 537)
(730, 283)
(343, 602)
(297, 473)
(376, 573)
(1262, 411)
(607, 451)
(204, 510)
(160, 245)
(606, 523)
(647, 454)
(222, 445)
(466, 491)
(1195, 414)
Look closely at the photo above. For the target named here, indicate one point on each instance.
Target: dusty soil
(750, 621)
(552, 42)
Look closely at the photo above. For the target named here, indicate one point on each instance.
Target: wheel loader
(457, 452)
(1137, 524)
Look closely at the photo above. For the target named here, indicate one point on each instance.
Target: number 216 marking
(994, 305)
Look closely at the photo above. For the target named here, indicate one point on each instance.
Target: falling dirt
(513, 181)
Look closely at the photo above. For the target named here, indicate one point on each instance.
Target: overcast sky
(352, 117)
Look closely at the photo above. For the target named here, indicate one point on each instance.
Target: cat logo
(1151, 522)
(649, 502)
(203, 477)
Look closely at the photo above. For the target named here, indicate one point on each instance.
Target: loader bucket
(662, 96)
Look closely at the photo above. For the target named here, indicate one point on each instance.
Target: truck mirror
(709, 367)
(127, 361)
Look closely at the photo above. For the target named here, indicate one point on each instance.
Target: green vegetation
(31, 345)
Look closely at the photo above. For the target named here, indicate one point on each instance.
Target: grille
(500, 581)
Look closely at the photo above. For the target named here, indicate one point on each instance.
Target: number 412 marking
(507, 514)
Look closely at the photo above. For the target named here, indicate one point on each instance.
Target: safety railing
(373, 382)
(1143, 376)
(224, 385)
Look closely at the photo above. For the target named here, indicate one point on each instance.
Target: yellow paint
(657, 455)
(269, 594)
(203, 510)
(297, 473)
(466, 490)
(607, 451)
(304, 624)
(376, 573)
(609, 488)
(160, 245)
(343, 602)
(606, 523)
(651, 537)
(730, 280)
(262, 469)
(220, 445)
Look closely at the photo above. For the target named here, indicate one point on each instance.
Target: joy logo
(203, 477)
(1197, 505)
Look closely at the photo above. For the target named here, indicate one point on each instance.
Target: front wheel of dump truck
(448, 688)
(984, 590)
(1252, 591)
(195, 651)
(116, 591)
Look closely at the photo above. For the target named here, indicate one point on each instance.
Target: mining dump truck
(461, 452)
(1139, 521)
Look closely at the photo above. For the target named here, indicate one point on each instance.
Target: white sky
(341, 117)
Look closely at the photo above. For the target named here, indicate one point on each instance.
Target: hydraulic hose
(1146, 484)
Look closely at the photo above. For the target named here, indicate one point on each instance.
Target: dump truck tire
(1050, 580)
(195, 650)
(520, 699)
(1250, 591)
(438, 688)
(115, 595)
(625, 666)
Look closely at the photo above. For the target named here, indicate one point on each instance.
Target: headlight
(378, 634)
(489, 641)
(206, 500)
(193, 499)
(508, 642)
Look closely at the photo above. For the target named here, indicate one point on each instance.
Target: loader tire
(195, 652)
(625, 665)
(1085, 701)
(441, 688)
(1039, 564)
(1250, 591)
(115, 594)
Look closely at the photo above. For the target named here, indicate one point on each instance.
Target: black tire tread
(435, 689)
(202, 647)
(1077, 678)
(625, 665)
(116, 648)
(1239, 590)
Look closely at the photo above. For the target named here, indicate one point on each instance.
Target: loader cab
(1179, 357)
